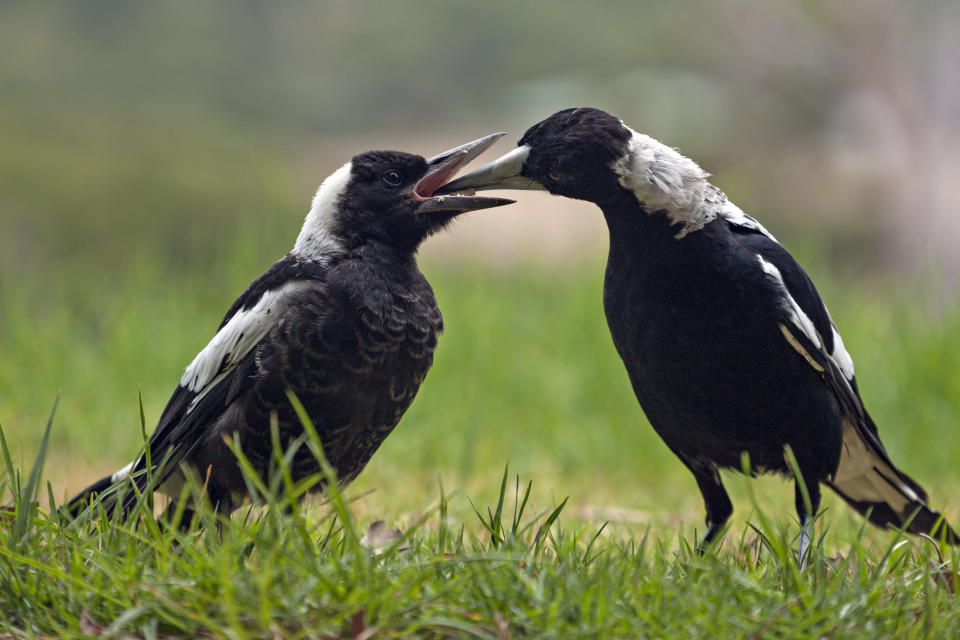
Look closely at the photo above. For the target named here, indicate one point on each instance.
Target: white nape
(662, 179)
(317, 240)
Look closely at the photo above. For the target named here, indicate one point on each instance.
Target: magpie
(726, 341)
(345, 321)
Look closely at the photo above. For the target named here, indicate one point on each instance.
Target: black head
(572, 150)
(569, 154)
(380, 200)
(388, 196)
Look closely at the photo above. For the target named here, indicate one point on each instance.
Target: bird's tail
(868, 481)
(104, 488)
(82, 500)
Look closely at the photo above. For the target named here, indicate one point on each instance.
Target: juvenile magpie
(726, 341)
(346, 321)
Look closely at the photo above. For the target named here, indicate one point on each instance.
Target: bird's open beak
(503, 173)
(441, 168)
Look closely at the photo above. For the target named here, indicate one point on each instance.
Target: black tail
(925, 521)
(83, 499)
(114, 491)
(868, 481)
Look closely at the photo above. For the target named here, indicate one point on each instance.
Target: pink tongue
(425, 188)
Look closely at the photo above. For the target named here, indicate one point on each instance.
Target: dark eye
(556, 176)
(392, 178)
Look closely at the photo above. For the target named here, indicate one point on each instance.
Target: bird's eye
(392, 178)
(556, 176)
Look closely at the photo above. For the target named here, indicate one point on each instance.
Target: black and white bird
(727, 343)
(346, 321)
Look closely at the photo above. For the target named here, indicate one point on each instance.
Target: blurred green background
(156, 157)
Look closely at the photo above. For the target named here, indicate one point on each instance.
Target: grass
(276, 571)
(525, 375)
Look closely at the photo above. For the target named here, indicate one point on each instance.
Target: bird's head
(388, 196)
(589, 154)
(568, 154)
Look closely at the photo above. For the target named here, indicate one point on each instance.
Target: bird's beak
(441, 168)
(503, 173)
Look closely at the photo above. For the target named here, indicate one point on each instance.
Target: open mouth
(427, 185)
(441, 168)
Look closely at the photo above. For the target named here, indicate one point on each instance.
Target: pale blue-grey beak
(503, 173)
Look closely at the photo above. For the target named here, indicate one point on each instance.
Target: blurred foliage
(136, 130)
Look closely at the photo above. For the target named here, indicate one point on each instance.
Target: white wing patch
(799, 348)
(797, 316)
(122, 474)
(840, 356)
(244, 330)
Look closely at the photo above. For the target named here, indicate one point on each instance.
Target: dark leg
(716, 500)
(813, 490)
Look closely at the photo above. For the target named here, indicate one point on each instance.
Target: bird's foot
(713, 531)
(803, 553)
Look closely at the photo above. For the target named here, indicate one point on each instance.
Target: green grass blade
(11, 470)
(146, 449)
(26, 507)
(545, 527)
(332, 487)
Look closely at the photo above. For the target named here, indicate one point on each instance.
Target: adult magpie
(346, 321)
(726, 341)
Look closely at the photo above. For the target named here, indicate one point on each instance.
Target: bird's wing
(734, 215)
(222, 370)
(810, 331)
(184, 425)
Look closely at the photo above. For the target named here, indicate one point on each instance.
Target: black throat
(636, 234)
(648, 263)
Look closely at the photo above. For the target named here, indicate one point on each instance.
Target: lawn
(525, 376)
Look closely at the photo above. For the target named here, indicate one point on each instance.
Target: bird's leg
(806, 519)
(804, 543)
(717, 502)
